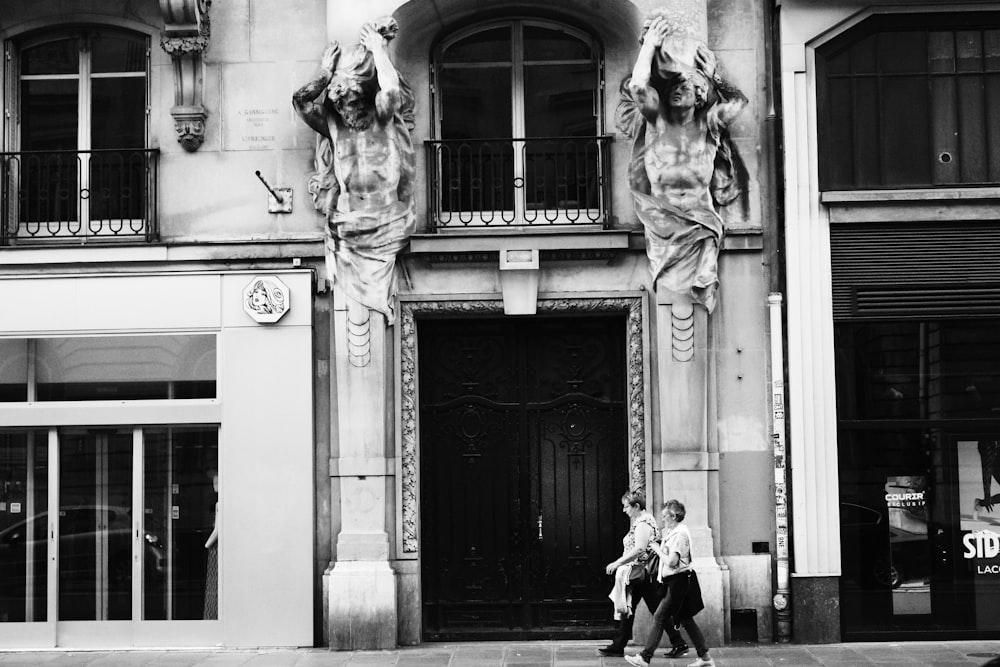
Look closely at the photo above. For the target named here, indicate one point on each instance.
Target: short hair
(635, 497)
(676, 508)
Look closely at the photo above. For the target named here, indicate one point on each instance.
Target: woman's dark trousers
(674, 591)
(649, 592)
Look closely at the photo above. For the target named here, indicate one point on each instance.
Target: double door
(103, 529)
(523, 463)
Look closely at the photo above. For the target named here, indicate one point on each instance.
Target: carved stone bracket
(185, 37)
(631, 306)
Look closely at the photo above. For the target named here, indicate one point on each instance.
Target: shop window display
(919, 443)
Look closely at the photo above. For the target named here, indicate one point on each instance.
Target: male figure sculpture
(677, 110)
(364, 164)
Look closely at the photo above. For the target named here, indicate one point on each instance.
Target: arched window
(518, 125)
(911, 101)
(79, 102)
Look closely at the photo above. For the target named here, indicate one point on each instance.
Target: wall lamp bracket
(279, 200)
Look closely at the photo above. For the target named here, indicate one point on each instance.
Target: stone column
(361, 585)
(688, 461)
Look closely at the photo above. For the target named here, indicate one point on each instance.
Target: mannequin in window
(365, 163)
(683, 163)
(212, 561)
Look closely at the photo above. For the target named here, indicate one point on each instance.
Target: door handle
(539, 526)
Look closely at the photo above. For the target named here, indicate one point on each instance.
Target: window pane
(130, 367)
(902, 52)
(559, 100)
(118, 53)
(487, 46)
(906, 128)
(61, 57)
(118, 114)
(476, 103)
(548, 44)
(23, 519)
(13, 370)
(179, 518)
(863, 56)
(49, 182)
(48, 115)
(878, 371)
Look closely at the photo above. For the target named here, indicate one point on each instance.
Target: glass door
(95, 525)
(26, 615)
(133, 541)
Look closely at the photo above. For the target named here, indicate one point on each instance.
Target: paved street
(523, 654)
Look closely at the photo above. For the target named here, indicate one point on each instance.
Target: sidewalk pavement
(520, 654)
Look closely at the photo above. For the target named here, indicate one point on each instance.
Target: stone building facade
(210, 443)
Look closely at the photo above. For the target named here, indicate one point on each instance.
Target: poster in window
(979, 510)
(906, 505)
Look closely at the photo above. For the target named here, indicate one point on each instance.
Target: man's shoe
(636, 661)
(703, 662)
(678, 651)
(611, 651)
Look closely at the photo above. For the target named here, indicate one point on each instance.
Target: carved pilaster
(185, 37)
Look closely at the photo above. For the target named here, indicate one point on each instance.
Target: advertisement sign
(979, 498)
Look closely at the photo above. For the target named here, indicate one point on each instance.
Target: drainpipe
(774, 243)
(782, 596)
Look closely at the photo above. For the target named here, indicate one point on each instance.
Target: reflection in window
(181, 486)
(108, 368)
(918, 370)
(911, 101)
(24, 492)
(83, 101)
(518, 112)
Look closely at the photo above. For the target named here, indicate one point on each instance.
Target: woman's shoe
(678, 651)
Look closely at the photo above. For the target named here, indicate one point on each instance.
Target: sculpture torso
(367, 166)
(680, 160)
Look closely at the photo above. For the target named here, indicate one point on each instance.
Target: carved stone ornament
(266, 299)
(185, 37)
(408, 454)
(675, 95)
(358, 104)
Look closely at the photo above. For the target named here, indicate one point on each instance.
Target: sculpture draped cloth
(361, 245)
(682, 244)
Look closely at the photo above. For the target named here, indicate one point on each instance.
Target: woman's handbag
(652, 566)
(645, 571)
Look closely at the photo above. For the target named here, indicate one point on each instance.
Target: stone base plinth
(361, 599)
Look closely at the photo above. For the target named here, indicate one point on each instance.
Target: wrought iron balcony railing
(78, 196)
(557, 182)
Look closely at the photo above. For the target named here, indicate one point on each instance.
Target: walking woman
(638, 545)
(678, 580)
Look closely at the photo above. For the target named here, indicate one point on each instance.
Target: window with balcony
(518, 120)
(77, 167)
(911, 102)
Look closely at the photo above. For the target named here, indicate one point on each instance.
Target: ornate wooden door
(522, 465)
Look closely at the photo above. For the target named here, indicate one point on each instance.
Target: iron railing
(78, 196)
(499, 183)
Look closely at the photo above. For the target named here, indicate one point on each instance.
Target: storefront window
(108, 368)
(103, 546)
(919, 455)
